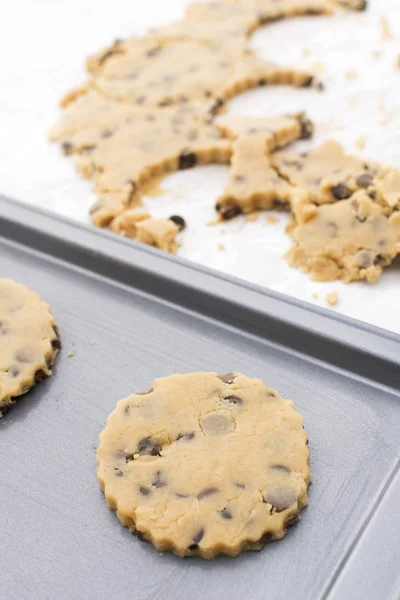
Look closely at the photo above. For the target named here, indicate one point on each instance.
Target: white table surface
(42, 48)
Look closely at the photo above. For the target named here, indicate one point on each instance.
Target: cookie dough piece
(172, 72)
(272, 10)
(222, 24)
(121, 147)
(278, 131)
(325, 173)
(250, 71)
(253, 182)
(140, 226)
(349, 240)
(29, 341)
(354, 4)
(205, 464)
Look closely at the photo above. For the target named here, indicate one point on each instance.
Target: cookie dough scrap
(140, 226)
(326, 174)
(273, 10)
(176, 464)
(349, 240)
(120, 147)
(253, 182)
(222, 24)
(177, 71)
(30, 341)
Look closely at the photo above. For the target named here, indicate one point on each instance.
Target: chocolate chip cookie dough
(29, 341)
(253, 182)
(325, 175)
(349, 240)
(205, 464)
(140, 226)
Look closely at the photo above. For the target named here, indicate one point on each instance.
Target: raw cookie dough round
(205, 464)
(29, 341)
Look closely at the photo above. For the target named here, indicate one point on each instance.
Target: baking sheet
(132, 314)
(361, 100)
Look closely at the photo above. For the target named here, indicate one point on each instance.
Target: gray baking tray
(133, 314)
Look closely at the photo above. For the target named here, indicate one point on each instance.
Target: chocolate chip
(153, 52)
(280, 468)
(225, 514)
(271, 394)
(227, 377)
(187, 160)
(372, 195)
(364, 180)
(262, 82)
(165, 102)
(280, 498)
(181, 495)
(241, 486)
(192, 135)
(67, 147)
(291, 520)
(186, 436)
(15, 371)
(207, 492)
(158, 482)
(127, 409)
(3, 328)
(106, 133)
(308, 82)
(182, 98)
(40, 375)
(147, 446)
(331, 228)
(341, 191)
(306, 127)
(365, 258)
(382, 243)
(140, 99)
(118, 472)
(240, 178)
(25, 355)
(228, 211)
(56, 344)
(144, 491)
(233, 400)
(144, 393)
(128, 456)
(95, 207)
(199, 536)
(179, 221)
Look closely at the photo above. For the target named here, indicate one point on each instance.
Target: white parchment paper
(42, 48)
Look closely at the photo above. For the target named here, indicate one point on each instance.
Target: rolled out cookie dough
(29, 341)
(205, 464)
(349, 240)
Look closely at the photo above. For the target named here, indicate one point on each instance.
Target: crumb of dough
(252, 216)
(361, 141)
(397, 63)
(332, 298)
(315, 296)
(351, 74)
(305, 51)
(270, 219)
(71, 353)
(216, 221)
(386, 32)
(221, 246)
(318, 67)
